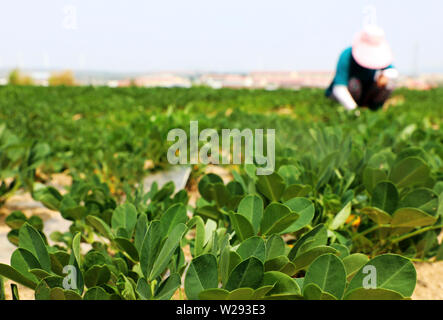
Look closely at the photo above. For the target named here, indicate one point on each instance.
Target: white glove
(391, 74)
(342, 94)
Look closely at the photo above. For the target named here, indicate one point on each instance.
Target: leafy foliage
(348, 195)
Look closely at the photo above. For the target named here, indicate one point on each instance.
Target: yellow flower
(354, 220)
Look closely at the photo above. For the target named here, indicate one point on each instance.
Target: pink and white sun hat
(370, 48)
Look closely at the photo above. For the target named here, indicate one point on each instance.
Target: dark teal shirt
(348, 68)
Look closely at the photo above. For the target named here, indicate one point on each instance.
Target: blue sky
(205, 35)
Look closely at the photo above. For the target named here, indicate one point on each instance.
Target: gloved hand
(382, 81)
(386, 78)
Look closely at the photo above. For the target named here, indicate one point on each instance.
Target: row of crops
(353, 202)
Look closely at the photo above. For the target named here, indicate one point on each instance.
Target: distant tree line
(61, 78)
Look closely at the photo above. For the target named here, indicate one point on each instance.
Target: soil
(429, 275)
(429, 281)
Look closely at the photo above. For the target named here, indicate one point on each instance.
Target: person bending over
(365, 74)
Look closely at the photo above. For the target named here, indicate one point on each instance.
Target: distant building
(40, 78)
(275, 79)
(226, 80)
(113, 83)
(315, 79)
(268, 79)
(167, 80)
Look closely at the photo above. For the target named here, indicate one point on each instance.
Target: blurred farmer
(365, 74)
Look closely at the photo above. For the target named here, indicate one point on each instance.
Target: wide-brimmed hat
(370, 48)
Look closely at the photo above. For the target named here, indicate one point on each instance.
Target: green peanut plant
(246, 247)
(353, 201)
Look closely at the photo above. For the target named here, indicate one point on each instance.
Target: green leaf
(150, 247)
(60, 294)
(202, 274)
(213, 294)
(409, 172)
(211, 188)
(261, 292)
(423, 199)
(23, 260)
(242, 226)
(353, 263)
(100, 226)
(228, 261)
(140, 231)
(377, 215)
(296, 190)
(127, 246)
(45, 286)
(124, 216)
(210, 228)
(31, 240)
(164, 257)
(2, 289)
(210, 212)
(167, 287)
(271, 186)
(373, 294)
(410, 217)
(289, 173)
(252, 247)
(341, 217)
(199, 240)
(76, 247)
(50, 197)
(15, 219)
(79, 274)
(305, 209)
(97, 275)
(241, 294)
(282, 283)
(312, 291)
(13, 237)
(251, 207)
(39, 273)
(371, 177)
(14, 292)
(174, 215)
(143, 289)
(97, 293)
(36, 222)
(328, 272)
(290, 269)
(12, 274)
(276, 264)
(59, 260)
(319, 234)
(126, 287)
(342, 249)
(303, 260)
(392, 272)
(248, 273)
(411, 152)
(276, 218)
(70, 210)
(385, 196)
(275, 246)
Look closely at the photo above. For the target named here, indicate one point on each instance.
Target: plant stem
(408, 235)
(2, 289)
(376, 227)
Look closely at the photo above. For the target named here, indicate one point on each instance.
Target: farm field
(354, 206)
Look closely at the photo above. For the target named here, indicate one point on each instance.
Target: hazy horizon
(230, 36)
